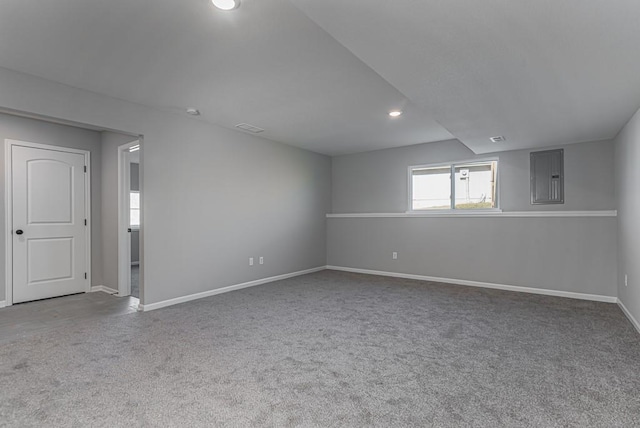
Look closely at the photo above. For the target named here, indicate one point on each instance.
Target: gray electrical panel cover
(547, 177)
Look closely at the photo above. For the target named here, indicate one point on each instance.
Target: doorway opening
(129, 219)
(62, 211)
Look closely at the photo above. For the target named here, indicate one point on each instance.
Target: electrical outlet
(394, 255)
(250, 261)
(261, 260)
(626, 280)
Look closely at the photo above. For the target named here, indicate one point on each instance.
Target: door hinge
(85, 168)
(85, 221)
(85, 275)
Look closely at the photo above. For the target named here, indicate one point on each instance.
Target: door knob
(19, 232)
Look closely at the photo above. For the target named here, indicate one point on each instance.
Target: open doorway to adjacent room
(130, 208)
(134, 218)
(61, 216)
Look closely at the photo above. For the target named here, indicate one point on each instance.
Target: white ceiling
(539, 72)
(323, 74)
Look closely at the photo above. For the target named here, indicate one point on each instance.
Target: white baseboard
(546, 292)
(190, 297)
(634, 321)
(3, 303)
(103, 288)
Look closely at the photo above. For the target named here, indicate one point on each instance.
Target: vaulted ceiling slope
(539, 72)
(322, 75)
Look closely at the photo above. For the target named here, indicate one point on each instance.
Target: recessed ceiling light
(497, 139)
(395, 113)
(226, 4)
(193, 111)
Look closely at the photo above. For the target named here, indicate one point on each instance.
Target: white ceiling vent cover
(250, 128)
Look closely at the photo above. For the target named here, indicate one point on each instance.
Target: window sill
(487, 211)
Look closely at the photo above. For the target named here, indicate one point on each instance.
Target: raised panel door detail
(49, 191)
(49, 259)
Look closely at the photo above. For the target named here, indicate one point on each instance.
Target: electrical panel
(547, 177)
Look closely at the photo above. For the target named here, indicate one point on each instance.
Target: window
(134, 209)
(460, 186)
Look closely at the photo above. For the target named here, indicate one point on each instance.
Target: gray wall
(110, 141)
(565, 254)
(135, 246)
(628, 192)
(377, 181)
(135, 234)
(135, 176)
(35, 131)
(212, 197)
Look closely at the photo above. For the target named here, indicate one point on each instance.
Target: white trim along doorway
(124, 211)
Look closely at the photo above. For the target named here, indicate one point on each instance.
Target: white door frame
(124, 237)
(8, 216)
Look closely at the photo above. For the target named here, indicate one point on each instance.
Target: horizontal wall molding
(104, 289)
(196, 296)
(631, 318)
(543, 291)
(607, 213)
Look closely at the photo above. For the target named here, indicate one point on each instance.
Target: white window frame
(451, 166)
(132, 227)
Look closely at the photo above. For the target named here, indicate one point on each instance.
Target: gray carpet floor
(334, 349)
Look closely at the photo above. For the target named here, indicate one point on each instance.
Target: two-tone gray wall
(377, 181)
(572, 254)
(35, 131)
(213, 197)
(628, 194)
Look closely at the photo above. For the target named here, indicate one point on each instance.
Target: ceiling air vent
(250, 128)
(497, 139)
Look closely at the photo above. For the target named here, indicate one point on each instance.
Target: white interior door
(48, 223)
